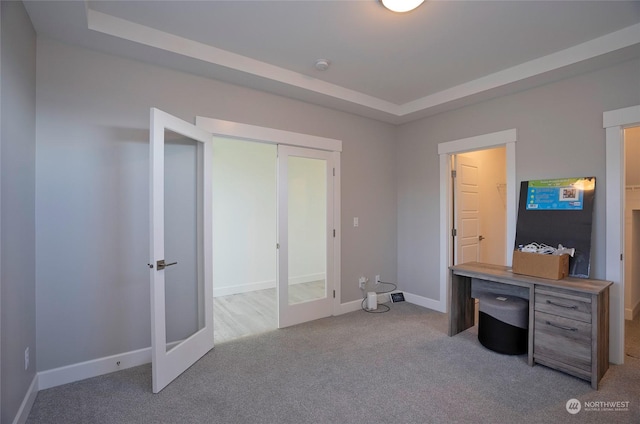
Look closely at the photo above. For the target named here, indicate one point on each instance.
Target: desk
(568, 319)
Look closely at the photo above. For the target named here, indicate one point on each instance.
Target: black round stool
(503, 324)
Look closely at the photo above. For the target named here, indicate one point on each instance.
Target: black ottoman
(503, 324)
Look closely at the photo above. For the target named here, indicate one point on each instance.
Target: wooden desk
(568, 319)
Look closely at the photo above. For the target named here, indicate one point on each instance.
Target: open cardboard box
(553, 267)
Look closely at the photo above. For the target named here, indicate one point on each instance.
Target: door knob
(162, 265)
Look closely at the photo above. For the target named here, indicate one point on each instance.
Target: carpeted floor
(395, 367)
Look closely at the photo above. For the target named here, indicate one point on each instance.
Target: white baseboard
(425, 302)
(263, 285)
(352, 306)
(243, 288)
(631, 313)
(306, 278)
(93, 368)
(27, 402)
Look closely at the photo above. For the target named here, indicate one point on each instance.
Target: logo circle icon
(573, 406)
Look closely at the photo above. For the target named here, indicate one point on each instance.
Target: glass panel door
(305, 234)
(181, 241)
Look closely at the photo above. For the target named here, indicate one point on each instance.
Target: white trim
(337, 225)
(93, 368)
(479, 142)
(352, 306)
(236, 130)
(446, 220)
(425, 302)
(108, 364)
(27, 402)
(220, 127)
(614, 122)
(263, 285)
(301, 279)
(588, 50)
(511, 199)
(505, 138)
(243, 288)
(631, 313)
(147, 36)
(122, 28)
(621, 117)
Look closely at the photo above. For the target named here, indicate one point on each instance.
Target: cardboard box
(553, 267)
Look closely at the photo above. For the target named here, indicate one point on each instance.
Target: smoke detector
(322, 64)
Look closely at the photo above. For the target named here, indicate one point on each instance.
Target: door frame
(247, 132)
(614, 122)
(507, 139)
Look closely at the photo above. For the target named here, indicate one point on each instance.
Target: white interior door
(467, 210)
(181, 246)
(305, 235)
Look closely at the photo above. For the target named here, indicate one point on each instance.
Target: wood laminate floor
(245, 314)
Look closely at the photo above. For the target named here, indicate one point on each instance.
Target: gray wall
(560, 134)
(17, 213)
(92, 190)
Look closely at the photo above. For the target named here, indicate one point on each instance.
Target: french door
(306, 234)
(181, 246)
(181, 239)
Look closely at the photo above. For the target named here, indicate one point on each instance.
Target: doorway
(614, 123)
(244, 238)
(291, 180)
(506, 139)
(632, 241)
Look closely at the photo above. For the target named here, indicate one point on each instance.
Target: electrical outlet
(361, 282)
(378, 279)
(26, 359)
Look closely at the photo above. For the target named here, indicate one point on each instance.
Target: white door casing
(505, 138)
(614, 122)
(230, 129)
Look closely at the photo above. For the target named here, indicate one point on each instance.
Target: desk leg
(532, 319)
(461, 305)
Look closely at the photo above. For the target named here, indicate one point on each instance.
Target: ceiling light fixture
(401, 5)
(322, 64)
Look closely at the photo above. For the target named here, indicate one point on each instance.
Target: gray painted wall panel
(560, 134)
(92, 192)
(17, 176)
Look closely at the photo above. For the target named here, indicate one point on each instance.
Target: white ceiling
(386, 66)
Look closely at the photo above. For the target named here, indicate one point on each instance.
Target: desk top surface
(504, 274)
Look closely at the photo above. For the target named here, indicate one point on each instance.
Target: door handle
(160, 265)
(480, 238)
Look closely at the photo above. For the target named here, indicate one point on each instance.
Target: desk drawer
(566, 306)
(562, 339)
